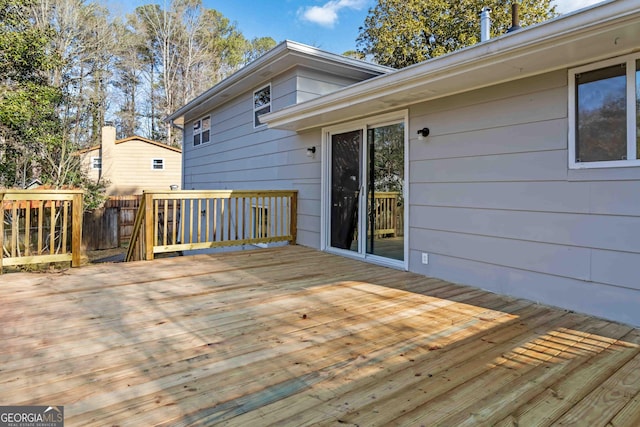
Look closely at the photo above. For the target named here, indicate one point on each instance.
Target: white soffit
(607, 30)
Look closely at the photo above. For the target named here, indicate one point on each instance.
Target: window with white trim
(96, 163)
(261, 104)
(157, 164)
(202, 131)
(604, 114)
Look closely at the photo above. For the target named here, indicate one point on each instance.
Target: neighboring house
(519, 161)
(133, 164)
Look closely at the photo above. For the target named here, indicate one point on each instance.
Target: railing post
(1, 230)
(76, 230)
(149, 232)
(293, 216)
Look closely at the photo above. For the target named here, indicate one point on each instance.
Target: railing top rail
(203, 194)
(387, 193)
(17, 195)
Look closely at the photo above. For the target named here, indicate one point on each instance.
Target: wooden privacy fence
(111, 225)
(187, 220)
(40, 226)
(127, 209)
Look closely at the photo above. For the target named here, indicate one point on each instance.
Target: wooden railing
(187, 220)
(388, 221)
(40, 226)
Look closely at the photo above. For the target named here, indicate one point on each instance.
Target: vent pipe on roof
(485, 24)
(515, 19)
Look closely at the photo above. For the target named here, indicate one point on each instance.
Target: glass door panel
(345, 189)
(385, 189)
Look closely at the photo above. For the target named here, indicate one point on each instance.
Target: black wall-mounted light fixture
(423, 133)
(311, 151)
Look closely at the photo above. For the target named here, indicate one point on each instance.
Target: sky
(330, 25)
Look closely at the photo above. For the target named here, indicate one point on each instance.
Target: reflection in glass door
(345, 152)
(366, 190)
(385, 191)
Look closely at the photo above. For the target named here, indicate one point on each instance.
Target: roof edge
(284, 48)
(564, 28)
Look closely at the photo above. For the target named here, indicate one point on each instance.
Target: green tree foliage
(257, 47)
(187, 48)
(28, 121)
(33, 143)
(67, 65)
(399, 33)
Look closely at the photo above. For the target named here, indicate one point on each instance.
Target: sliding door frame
(325, 216)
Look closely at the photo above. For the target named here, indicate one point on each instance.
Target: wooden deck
(292, 336)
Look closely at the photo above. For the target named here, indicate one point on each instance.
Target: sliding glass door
(366, 191)
(346, 149)
(385, 187)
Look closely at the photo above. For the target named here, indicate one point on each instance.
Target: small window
(261, 104)
(202, 131)
(157, 164)
(96, 163)
(604, 114)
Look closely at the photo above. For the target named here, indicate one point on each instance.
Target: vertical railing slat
(65, 225)
(215, 219)
(174, 223)
(230, 214)
(52, 227)
(27, 228)
(1, 231)
(207, 222)
(76, 231)
(293, 218)
(148, 226)
(237, 213)
(199, 216)
(14, 229)
(165, 225)
(40, 226)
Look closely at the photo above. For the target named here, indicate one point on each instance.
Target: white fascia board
(534, 50)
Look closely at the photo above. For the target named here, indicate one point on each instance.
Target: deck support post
(293, 215)
(148, 226)
(76, 230)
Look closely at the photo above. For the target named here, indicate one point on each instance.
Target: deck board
(292, 336)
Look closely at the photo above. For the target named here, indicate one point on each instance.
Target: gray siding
(494, 204)
(313, 83)
(240, 156)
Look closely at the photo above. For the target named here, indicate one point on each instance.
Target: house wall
(93, 174)
(494, 203)
(313, 83)
(240, 156)
(130, 168)
(127, 165)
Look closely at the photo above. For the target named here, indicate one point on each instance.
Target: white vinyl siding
(604, 106)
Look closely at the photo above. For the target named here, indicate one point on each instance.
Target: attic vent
(515, 19)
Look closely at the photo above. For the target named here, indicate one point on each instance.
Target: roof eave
(287, 47)
(535, 50)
